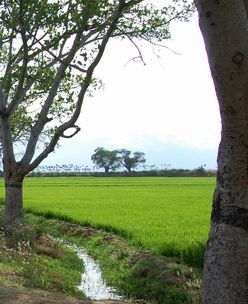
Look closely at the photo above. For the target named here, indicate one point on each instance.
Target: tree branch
(77, 129)
(2, 100)
(71, 122)
(20, 91)
(137, 48)
(42, 120)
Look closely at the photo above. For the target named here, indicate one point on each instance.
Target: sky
(166, 108)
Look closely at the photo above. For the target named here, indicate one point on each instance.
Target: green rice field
(166, 215)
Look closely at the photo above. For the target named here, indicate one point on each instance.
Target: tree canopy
(48, 53)
(103, 158)
(131, 160)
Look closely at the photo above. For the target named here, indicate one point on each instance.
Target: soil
(12, 295)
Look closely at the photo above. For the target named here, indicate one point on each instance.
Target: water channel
(92, 283)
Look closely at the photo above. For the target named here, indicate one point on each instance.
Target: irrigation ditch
(92, 283)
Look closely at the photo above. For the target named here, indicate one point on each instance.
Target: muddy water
(92, 283)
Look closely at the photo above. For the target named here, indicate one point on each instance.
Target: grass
(169, 216)
(28, 258)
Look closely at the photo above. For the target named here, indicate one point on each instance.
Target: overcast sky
(167, 108)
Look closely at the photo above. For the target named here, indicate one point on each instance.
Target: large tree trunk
(13, 174)
(13, 199)
(13, 194)
(224, 26)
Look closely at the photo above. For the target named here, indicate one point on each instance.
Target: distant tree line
(148, 170)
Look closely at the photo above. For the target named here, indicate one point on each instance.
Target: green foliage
(131, 161)
(103, 158)
(112, 160)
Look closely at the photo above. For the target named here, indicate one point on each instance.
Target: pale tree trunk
(13, 175)
(224, 26)
(13, 198)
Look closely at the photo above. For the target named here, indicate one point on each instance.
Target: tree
(224, 25)
(131, 162)
(48, 53)
(106, 159)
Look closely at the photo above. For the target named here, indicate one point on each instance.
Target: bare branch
(76, 67)
(160, 45)
(77, 129)
(138, 49)
(133, 2)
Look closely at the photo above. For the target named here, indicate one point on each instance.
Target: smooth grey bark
(14, 199)
(224, 25)
(13, 175)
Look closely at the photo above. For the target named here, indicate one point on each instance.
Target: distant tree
(200, 171)
(109, 160)
(131, 161)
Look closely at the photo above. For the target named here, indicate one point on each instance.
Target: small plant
(151, 279)
(18, 233)
(46, 246)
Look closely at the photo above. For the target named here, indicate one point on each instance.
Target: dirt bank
(11, 295)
